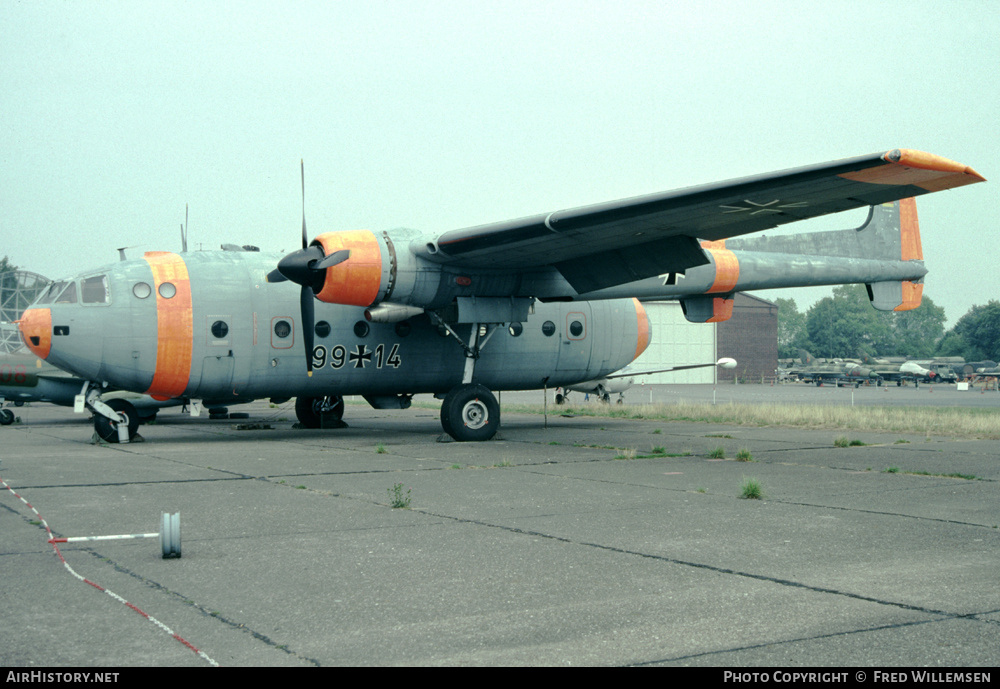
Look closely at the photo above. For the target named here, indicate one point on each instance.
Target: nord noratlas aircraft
(544, 301)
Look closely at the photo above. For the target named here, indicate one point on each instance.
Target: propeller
(307, 268)
(184, 231)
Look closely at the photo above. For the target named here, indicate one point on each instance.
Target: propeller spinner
(307, 267)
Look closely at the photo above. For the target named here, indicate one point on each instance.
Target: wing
(622, 241)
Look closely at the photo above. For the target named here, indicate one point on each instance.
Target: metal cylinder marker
(170, 536)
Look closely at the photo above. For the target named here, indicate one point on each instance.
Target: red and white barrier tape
(53, 541)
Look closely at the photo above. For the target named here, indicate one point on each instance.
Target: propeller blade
(276, 276)
(305, 237)
(336, 258)
(307, 301)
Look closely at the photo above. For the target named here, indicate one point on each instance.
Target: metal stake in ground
(170, 536)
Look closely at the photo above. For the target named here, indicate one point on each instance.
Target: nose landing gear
(124, 429)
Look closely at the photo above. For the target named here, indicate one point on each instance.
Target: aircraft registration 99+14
(548, 300)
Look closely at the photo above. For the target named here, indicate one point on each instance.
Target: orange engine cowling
(360, 280)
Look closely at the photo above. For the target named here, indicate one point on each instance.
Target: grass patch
(743, 455)
(751, 489)
(380, 449)
(942, 421)
(892, 470)
(626, 453)
(718, 453)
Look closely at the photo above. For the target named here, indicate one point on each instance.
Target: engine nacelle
(366, 277)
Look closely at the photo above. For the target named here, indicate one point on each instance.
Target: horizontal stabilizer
(891, 232)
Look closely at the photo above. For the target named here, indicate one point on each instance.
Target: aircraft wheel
(559, 398)
(317, 412)
(606, 398)
(18, 403)
(6, 417)
(470, 413)
(108, 429)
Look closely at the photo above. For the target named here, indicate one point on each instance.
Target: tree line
(846, 326)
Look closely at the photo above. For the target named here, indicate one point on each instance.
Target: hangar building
(750, 337)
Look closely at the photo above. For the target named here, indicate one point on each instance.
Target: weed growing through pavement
(752, 489)
(743, 455)
(718, 453)
(397, 498)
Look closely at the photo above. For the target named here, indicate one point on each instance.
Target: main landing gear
(470, 413)
(320, 412)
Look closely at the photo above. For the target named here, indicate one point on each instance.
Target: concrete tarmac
(587, 542)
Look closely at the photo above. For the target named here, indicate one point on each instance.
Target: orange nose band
(36, 330)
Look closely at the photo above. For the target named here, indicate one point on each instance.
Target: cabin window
(323, 329)
(167, 290)
(361, 329)
(95, 290)
(281, 333)
(142, 290)
(549, 328)
(515, 329)
(403, 328)
(219, 329)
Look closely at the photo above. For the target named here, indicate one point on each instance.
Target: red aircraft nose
(36, 331)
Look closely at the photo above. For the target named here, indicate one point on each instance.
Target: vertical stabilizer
(901, 228)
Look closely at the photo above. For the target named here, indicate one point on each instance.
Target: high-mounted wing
(612, 243)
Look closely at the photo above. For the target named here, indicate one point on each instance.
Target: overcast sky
(442, 115)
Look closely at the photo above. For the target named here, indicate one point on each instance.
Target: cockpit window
(68, 296)
(51, 292)
(95, 290)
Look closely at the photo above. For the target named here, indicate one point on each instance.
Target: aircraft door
(575, 341)
(219, 363)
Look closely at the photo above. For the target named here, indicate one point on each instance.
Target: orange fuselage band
(174, 325)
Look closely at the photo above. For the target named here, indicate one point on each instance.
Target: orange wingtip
(915, 168)
(928, 161)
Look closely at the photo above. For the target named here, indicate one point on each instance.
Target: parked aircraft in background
(831, 371)
(549, 300)
(900, 373)
(618, 383)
